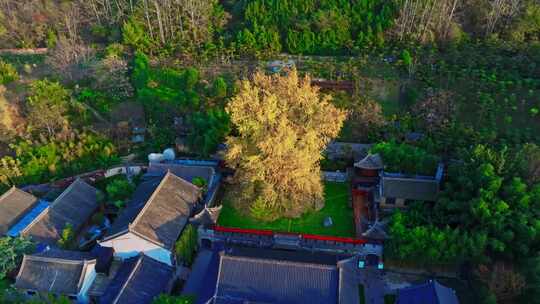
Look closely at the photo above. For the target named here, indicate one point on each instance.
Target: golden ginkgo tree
(283, 124)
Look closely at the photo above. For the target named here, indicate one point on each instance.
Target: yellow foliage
(284, 124)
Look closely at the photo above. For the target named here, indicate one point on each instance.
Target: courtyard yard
(336, 206)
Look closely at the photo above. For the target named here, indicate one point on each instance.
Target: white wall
(129, 245)
(89, 278)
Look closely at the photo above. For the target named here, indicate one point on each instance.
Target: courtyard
(336, 207)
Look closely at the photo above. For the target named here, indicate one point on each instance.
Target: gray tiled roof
(75, 206)
(370, 162)
(430, 292)
(54, 271)
(135, 205)
(186, 172)
(13, 205)
(159, 215)
(138, 281)
(207, 216)
(420, 189)
(66, 254)
(260, 280)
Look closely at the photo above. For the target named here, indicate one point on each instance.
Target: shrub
(406, 57)
(8, 73)
(186, 246)
(67, 238)
(168, 299)
(219, 88)
(11, 253)
(406, 158)
(119, 204)
(114, 50)
(133, 35)
(119, 189)
(33, 162)
(97, 219)
(200, 182)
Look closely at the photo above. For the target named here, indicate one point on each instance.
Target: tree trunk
(160, 22)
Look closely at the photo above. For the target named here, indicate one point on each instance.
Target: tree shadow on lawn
(336, 206)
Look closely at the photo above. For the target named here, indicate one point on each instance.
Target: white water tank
(169, 154)
(155, 157)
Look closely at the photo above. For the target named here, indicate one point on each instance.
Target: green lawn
(336, 206)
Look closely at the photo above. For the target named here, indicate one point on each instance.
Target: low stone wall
(291, 242)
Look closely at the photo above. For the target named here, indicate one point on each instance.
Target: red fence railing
(338, 239)
(245, 231)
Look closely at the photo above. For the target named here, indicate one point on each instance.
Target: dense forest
(465, 74)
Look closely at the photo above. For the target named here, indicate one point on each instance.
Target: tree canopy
(283, 125)
(11, 253)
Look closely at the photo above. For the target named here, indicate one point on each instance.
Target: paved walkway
(374, 285)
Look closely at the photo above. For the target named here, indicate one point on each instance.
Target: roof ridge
(5, 194)
(131, 274)
(25, 258)
(35, 220)
(53, 204)
(173, 165)
(15, 189)
(64, 193)
(151, 199)
(218, 274)
(147, 238)
(57, 260)
(83, 274)
(183, 180)
(281, 262)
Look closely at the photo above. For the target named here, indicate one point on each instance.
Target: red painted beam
(334, 239)
(242, 230)
(304, 236)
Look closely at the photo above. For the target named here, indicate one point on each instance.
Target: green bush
(11, 253)
(8, 73)
(97, 100)
(119, 189)
(406, 57)
(527, 27)
(199, 182)
(312, 27)
(168, 299)
(406, 159)
(186, 246)
(115, 50)
(219, 88)
(51, 39)
(67, 237)
(98, 218)
(134, 35)
(208, 130)
(44, 162)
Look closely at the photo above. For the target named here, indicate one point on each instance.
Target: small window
(72, 297)
(31, 292)
(390, 201)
